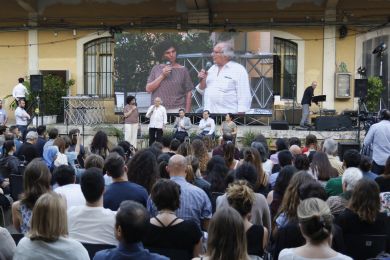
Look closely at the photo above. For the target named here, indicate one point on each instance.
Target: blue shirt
(379, 137)
(130, 251)
(272, 179)
(369, 175)
(117, 192)
(194, 203)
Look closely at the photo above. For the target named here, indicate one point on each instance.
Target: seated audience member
(36, 181)
(295, 150)
(315, 222)
(193, 170)
(16, 136)
(61, 159)
(48, 236)
(260, 214)
(75, 137)
(284, 158)
(194, 203)
(142, 169)
(301, 162)
(92, 223)
(312, 190)
(131, 224)
(311, 145)
(9, 164)
(72, 155)
(275, 196)
(162, 161)
(41, 130)
(53, 134)
(321, 168)
(252, 156)
(200, 152)
(217, 172)
(349, 180)
(241, 198)
(351, 158)
(294, 141)
(228, 155)
(129, 149)
(281, 145)
(120, 189)
(267, 163)
(220, 151)
(28, 151)
(209, 144)
(365, 167)
(174, 145)
(227, 243)
(185, 149)
(65, 177)
(94, 161)
(166, 142)
(49, 156)
(7, 245)
(384, 179)
(99, 144)
(362, 215)
(166, 230)
(156, 148)
(330, 147)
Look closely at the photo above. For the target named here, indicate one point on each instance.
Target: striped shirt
(173, 89)
(194, 203)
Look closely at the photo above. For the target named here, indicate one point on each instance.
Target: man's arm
(187, 124)
(150, 111)
(202, 75)
(13, 93)
(153, 81)
(5, 119)
(243, 92)
(212, 127)
(202, 124)
(176, 124)
(165, 117)
(188, 101)
(369, 136)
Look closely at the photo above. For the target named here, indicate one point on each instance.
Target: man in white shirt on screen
(158, 119)
(225, 85)
(207, 125)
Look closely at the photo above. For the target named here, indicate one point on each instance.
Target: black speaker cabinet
(361, 88)
(343, 147)
(297, 116)
(333, 123)
(279, 125)
(36, 83)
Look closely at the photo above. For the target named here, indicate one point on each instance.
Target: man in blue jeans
(306, 103)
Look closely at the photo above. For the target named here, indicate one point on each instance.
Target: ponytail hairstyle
(315, 219)
(228, 153)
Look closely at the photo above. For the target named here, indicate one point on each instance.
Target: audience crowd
(184, 199)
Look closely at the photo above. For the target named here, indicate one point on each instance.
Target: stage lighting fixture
(362, 71)
(380, 48)
(343, 31)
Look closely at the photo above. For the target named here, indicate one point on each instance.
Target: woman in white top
(47, 238)
(315, 222)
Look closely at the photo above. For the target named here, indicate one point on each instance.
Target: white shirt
(227, 91)
(379, 137)
(21, 116)
(289, 254)
(203, 125)
(93, 225)
(19, 91)
(72, 193)
(157, 115)
(63, 248)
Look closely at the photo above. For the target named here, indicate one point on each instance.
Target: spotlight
(380, 48)
(362, 71)
(343, 31)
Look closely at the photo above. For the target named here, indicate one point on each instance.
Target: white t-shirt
(21, 116)
(93, 225)
(19, 90)
(267, 167)
(289, 254)
(72, 193)
(63, 248)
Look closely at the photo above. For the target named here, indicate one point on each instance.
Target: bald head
(314, 84)
(157, 101)
(295, 150)
(177, 165)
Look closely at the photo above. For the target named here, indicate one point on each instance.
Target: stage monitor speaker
(333, 123)
(36, 83)
(361, 87)
(343, 147)
(279, 125)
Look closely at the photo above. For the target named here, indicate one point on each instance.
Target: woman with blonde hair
(47, 238)
(315, 222)
(36, 181)
(251, 155)
(241, 197)
(226, 243)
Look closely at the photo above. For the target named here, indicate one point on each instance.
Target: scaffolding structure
(83, 110)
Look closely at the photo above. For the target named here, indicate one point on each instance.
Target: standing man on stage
(207, 125)
(225, 85)
(22, 117)
(158, 119)
(130, 113)
(169, 80)
(182, 125)
(379, 138)
(3, 114)
(306, 103)
(20, 91)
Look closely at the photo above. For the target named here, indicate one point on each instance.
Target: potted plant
(374, 93)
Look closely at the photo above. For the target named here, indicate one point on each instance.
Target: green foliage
(135, 57)
(13, 104)
(374, 93)
(111, 130)
(248, 138)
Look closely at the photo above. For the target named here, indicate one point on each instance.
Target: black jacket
(9, 165)
(307, 96)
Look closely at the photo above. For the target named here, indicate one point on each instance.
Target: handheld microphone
(168, 63)
(209, 64)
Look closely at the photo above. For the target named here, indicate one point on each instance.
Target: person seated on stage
(181, 126)
(228, 127)
(207, 125)
(219, 149)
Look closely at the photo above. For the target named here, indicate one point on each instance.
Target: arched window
(285, 67)
(98, 67)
